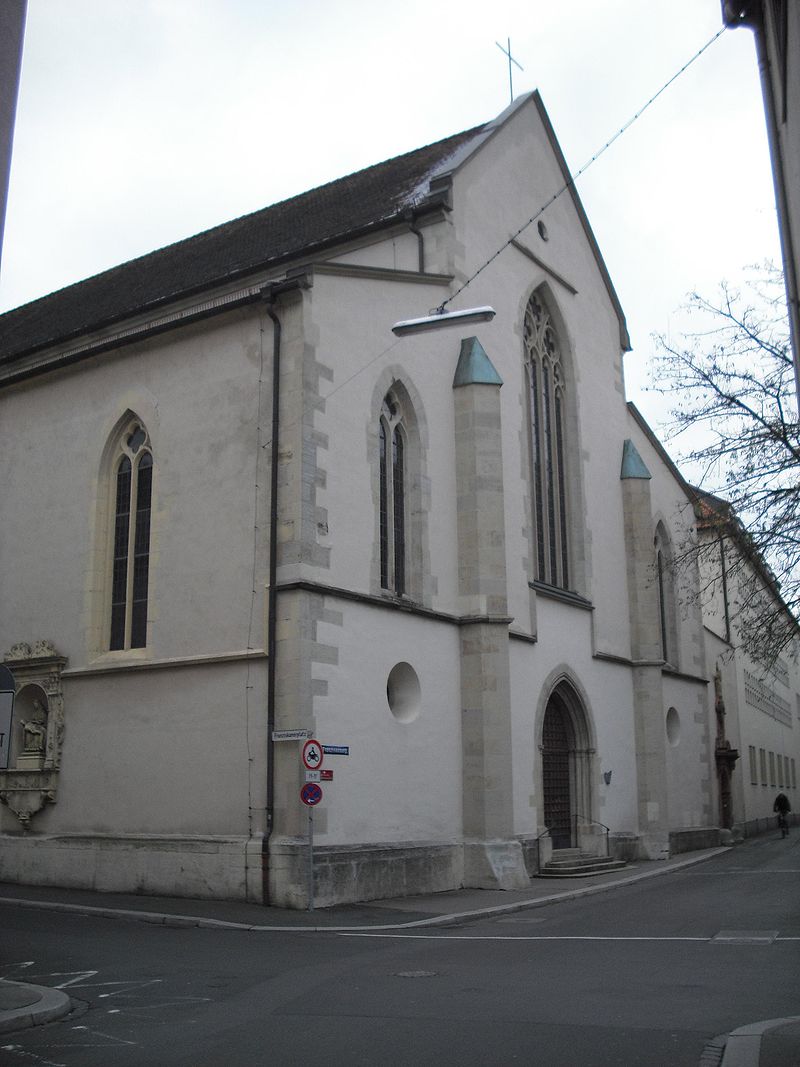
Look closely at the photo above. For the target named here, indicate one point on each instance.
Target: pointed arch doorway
(566, 766)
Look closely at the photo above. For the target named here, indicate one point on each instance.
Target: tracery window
(665, 588)
(393, 520)
(132, 492)
(547, 400)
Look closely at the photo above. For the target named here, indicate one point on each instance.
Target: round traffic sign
(311, 794)
(312, 754)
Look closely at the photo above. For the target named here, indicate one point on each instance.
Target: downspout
(782, 201)
(420, 241)
(270, 294)
(726, 606)
(273, 572)
(753, 16)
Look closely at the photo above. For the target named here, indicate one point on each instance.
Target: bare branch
(735, 411)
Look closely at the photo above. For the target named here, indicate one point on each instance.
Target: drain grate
(745, 937)
(415, 974)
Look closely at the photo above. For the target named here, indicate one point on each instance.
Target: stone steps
(571, 863)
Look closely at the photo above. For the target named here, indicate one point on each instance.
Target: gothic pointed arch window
(131, 490)
(665, 591)
(547, 398)
(393, 520)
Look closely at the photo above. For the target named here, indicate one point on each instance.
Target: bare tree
(734, 415)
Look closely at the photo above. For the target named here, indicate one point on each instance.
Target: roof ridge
(250, 215)
(317, 218)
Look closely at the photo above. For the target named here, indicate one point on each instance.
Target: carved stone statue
(34, 731)
(726, 757)
(32, 782)
(719, 708)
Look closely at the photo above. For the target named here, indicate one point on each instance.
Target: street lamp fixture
(440, 317)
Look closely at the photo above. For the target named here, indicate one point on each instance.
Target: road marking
(755, 939)
(130, 985)
(23, 1054)
(519, 937)
(78, 979)
(86, 1031)
(746, 937)
(745, 870)
(75, 977)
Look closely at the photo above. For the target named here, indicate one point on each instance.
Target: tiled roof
(315, 219)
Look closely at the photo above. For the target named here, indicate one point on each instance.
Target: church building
(240, 514)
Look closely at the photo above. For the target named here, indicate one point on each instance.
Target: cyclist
(782, 807)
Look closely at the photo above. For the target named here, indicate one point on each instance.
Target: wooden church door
(558, 747)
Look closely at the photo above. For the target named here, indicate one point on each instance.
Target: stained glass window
(392, 497)
(547, 392)
(131, 550)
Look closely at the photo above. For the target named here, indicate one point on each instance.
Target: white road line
(24, 1054)
(539, 937)
(746, 870)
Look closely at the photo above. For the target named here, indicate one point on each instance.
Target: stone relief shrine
(31, 757)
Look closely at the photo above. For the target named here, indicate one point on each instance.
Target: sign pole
(310, 859)
(311, 794)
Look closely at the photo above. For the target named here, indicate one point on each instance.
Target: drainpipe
(782, 200)
(420, 240)
(270, 295)
(724, 568)
(752, 15)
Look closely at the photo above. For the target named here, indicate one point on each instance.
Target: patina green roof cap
(474, 366)
(632, 463)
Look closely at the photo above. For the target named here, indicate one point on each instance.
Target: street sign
(290, 735)
(325, 776)
(314, 776)
(336, 750)
(311, 794)
(312, 754)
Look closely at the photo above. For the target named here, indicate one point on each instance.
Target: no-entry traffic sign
(311, 794)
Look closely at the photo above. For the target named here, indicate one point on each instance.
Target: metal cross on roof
(507, 52)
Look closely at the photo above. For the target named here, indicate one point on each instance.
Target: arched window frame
(547, 399)
(393, 505)
(665, 591)
(131, 470)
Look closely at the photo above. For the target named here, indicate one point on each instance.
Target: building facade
(238, 510)
(776, 30)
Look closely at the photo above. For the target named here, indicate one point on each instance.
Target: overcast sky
(141, 122)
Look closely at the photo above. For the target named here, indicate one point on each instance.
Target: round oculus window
(403, 692)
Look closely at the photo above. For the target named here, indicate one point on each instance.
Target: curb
(46, 1005)
(200, 922)
(743, 1045)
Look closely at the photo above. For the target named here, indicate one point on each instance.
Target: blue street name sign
(336, 750)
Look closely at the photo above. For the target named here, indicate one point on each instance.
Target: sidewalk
(769, 1044)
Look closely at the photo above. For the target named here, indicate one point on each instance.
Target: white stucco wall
(564, 651)
(159, 752)
(689, 746)
(671, 507)
(152, 751)
(196, 391)
(401, 780)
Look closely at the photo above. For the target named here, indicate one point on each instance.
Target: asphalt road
(646, 974)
